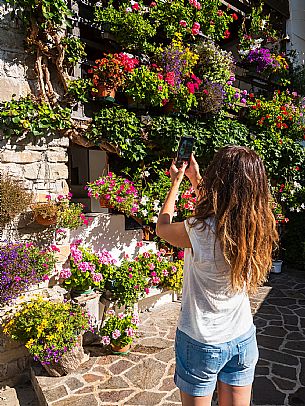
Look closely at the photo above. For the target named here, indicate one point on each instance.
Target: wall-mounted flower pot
(48, 221)
(105, 92)
(276, 266)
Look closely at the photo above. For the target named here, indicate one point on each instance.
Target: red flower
(297, 168)
(251, 95)
(219, 13)
(183, 23)
(235, 16)
(196, 25)
(153, 4)
(280, 142)
(136, 6)
(226, 34)
(195, 31)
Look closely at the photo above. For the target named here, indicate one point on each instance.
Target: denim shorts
(199, 366)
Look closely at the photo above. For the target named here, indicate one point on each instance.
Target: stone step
(8, 397)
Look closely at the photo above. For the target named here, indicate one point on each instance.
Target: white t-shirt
(211, 312)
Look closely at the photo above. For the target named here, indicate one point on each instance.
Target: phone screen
(185, 150)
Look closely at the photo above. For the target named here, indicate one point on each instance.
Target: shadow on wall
(108, 232)
(280, 323)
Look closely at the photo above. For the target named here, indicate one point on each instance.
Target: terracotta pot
(105, 91)
(116, 349)
(169, 107)
(104, 203)
(147, 233)
(48, 221)
(70, 361)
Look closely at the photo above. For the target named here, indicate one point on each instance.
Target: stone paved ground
(144, 377)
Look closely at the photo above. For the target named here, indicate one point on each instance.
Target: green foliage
(121, 128)
(174, 279)
(28, 116)
(47, 329)
(54, 13)
(75, 49)
(79, 89)
(133, 30)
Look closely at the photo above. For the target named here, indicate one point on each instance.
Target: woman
(228, 244)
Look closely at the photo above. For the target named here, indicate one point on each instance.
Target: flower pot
(147, 233)
(104, 203)
(276, 266)
(70, 361)
(169, 107)
(76, 292)
(48, 221)
(105, 92)
(119, 350)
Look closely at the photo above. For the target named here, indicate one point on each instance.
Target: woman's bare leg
(188, 400)
(229, 395)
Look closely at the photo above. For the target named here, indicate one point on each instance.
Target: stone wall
(16, 67)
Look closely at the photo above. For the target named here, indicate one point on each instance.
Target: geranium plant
(61, 211)
(88, 269)
(119, 330)
(111, 70)
(22, 265)
(117, 191)
(48, 329)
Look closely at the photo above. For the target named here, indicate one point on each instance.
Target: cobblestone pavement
(144, 377)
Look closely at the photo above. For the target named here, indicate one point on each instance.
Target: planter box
(155, 298)
(91, 303)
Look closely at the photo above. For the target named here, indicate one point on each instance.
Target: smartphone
(184, 151)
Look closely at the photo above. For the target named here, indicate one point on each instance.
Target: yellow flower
(30, 343)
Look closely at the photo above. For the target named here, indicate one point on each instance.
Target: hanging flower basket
(69, 361)
(48, 221)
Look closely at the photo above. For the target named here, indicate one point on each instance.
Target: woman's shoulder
(207, 224)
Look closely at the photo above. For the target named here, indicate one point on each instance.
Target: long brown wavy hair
(234, 190)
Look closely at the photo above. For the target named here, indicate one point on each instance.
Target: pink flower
(54, 248)
(107, 197)
(45, 277)
(195, 31)
(60, 197)
(135, 6)
(196, 26)
(164, 102)
(153, 4)
(116, 334)
(111, 312)
(69, 195)
(146, 254)
(129, 332)
(174, 268)
(191, 87)
(160, 88)
(65, 273)
(130, 276)
(165, 272)
(206, 91)
(17, 279)
(146, 290)
(183, 23)
(153, 273)
(106, 340)
(198, 6)
(140, 244)
(160, 76)
(180, 254)
(48, 197)
(96, 277)
(60, 231)
(110, 174)
(151, 266)
(121, 316)
(156, 280)
(135, 319)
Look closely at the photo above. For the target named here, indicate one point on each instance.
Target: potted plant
(60, 212)
(115, 191)
(109, 73)
(88, 270)
(52, 333)
(281, 220)
(119, 331)
(22, 264)
(15, 199)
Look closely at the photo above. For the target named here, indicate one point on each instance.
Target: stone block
(57, 156)
(8, 397)
(12, 369)
(10, 86)
(24, 157)
(62, 256)
(35, 170)
(58, 171)
(15, 170)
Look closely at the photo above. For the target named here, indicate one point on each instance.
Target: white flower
(128, 10)
(144, 200)
(146, 174)
(291, 209)
(154, 219)
(132, 2)
(175, 214)
(156, 202)
(283, 199)
(144, 212)
(298, 210)
(98, 4)
(303, 206)
(297, 185)
(157, 209)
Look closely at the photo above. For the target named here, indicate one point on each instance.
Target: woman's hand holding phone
(177, 174)
(193, 173)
